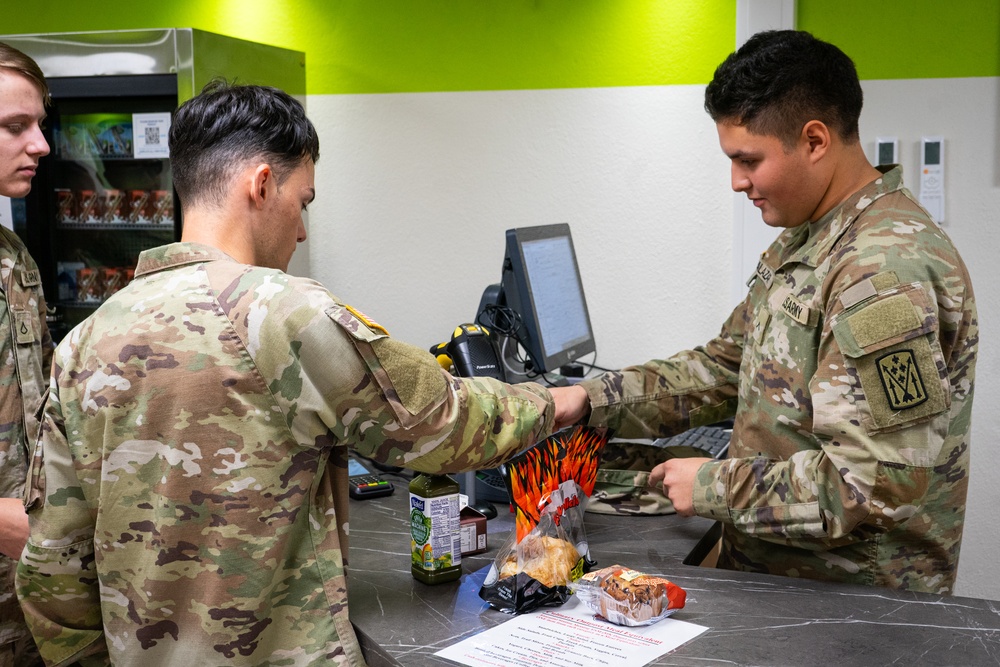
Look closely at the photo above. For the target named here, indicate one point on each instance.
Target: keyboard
(712, 441)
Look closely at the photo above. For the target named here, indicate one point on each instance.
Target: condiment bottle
(435, 537)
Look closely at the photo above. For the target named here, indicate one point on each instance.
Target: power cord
(506, 322)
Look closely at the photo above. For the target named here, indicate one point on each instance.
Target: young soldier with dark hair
(189, 492)
(848, 369)
(25, 344)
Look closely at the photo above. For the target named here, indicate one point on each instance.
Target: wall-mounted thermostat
(886, 150)
(932, 176)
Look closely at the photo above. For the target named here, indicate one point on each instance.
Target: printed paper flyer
(569, 636)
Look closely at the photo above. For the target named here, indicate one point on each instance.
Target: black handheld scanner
(440, 352)
(473, 354)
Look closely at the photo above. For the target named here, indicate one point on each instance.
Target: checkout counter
(752, 619)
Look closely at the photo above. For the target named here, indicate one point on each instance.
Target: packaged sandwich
(627, 597)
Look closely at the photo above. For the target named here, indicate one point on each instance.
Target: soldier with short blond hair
(25, 344)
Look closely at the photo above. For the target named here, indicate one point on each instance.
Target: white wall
(416, 190)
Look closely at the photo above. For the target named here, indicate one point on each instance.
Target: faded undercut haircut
(228, 126)
(779, 80)
(13, 60)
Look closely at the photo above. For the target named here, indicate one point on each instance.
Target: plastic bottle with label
(435, 536)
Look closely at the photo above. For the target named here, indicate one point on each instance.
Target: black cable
(592, 366)
(500, 319)
(507, 322)
(595, 367)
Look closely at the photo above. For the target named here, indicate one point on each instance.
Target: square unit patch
(901, 380)
(900, 384)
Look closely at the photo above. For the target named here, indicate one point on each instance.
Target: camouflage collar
(12, 253)
(810, 243)
(177, 254)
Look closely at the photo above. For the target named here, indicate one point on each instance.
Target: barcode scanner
(473, 354)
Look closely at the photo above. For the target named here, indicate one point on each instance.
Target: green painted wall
(379, 46)
(910, 39)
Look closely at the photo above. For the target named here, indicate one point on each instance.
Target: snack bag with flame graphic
(548, 551)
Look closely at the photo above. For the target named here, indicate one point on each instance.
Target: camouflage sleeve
(56, 578)
(390, 400)
(664, 397)
(891, 397)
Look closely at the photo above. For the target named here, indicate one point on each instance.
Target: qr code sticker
(152, 135)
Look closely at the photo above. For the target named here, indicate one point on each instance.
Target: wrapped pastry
(549, 560)
(627, 597)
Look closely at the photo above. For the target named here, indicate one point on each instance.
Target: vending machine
(104, 193)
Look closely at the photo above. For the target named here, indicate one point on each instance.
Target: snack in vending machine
(90, 206)
(88, 285)
(66, 204)
(115, 138)
(101, 135)
(163, 207)
(140, 207)
(112, 280)
(115, 207)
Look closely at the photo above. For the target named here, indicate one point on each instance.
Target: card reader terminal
(364, 483)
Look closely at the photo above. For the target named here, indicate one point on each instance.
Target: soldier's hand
(572, 404)
(677, 479)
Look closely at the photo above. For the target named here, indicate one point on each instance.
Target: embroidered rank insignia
(23, 331)
(368, 322)
(901, 380)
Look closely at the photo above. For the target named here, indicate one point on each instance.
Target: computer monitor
(541, 284)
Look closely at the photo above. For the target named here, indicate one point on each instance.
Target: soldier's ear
(817, 136)
(261, 183)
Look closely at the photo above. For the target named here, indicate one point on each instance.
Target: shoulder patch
(901, 384)
(368, 322)
(901, 380)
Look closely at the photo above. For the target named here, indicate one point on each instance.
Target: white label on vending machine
(6, 213)
(150, 132)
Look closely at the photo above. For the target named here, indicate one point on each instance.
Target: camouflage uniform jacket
(188, 497)
(24, 375)
(849, 369)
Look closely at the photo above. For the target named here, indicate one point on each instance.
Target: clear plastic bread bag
(539, 570)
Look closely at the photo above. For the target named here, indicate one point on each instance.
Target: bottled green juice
(435, 536)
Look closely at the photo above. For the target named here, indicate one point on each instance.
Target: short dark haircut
(781, 79)
(226, 127)
(12, 59)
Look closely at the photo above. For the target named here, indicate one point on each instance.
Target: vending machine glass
(104, 194)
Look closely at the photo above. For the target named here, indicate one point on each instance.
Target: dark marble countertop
(752, 619)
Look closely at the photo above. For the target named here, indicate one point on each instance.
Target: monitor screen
(541, 283)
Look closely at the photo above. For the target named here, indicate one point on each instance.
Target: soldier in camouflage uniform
(26, 344)
(850, 366)
(188, 498)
